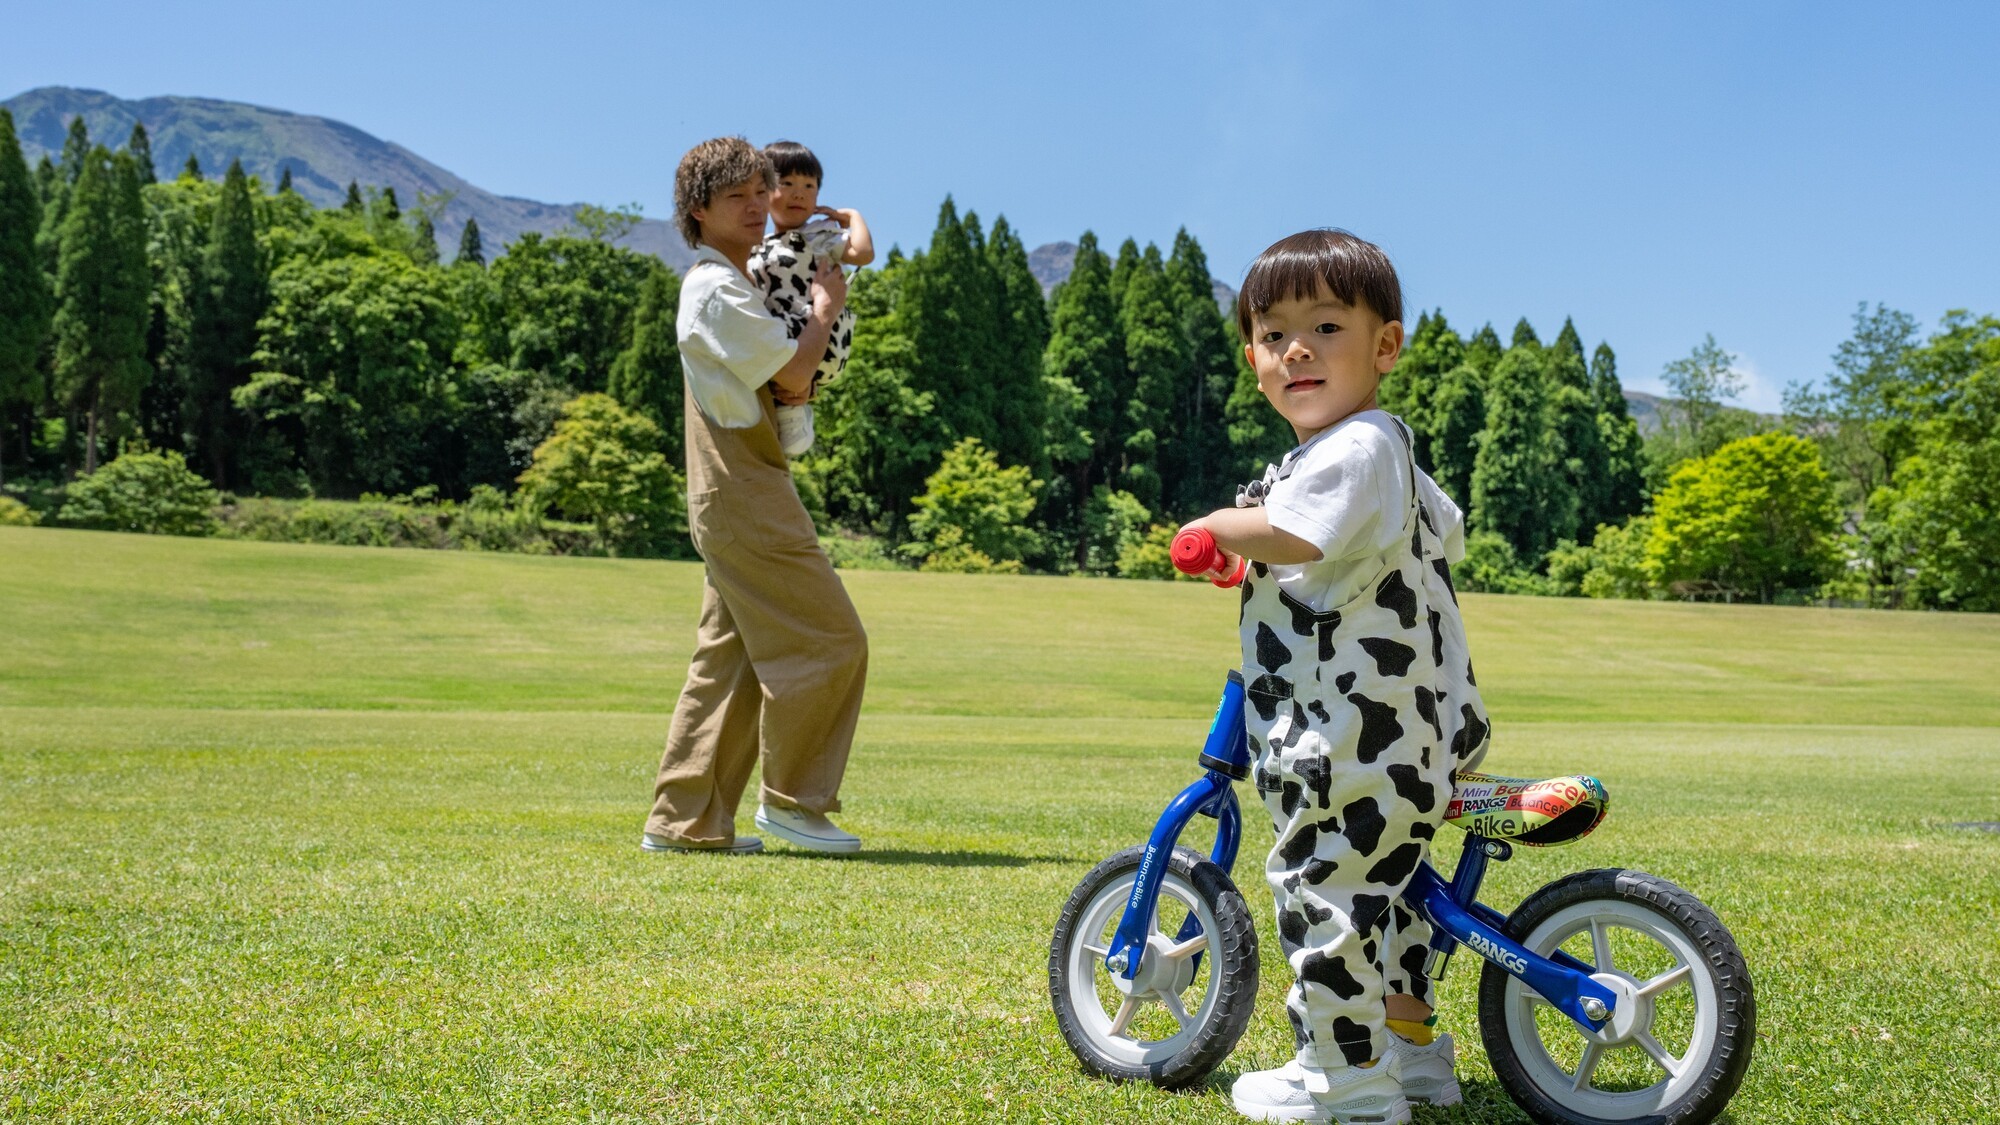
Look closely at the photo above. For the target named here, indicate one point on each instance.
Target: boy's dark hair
(1352, 269)
(709, 167)
(790, 158)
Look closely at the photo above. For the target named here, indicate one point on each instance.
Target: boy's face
(1319, 359)
(792, 204)
(736, 214)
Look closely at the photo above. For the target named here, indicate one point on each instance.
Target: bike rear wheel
(1680, 1036)
(1187, 1006)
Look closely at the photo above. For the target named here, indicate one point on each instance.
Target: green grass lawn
(306, 834)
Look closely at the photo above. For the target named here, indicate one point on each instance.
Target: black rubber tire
(1736, 1021)
(1232, 969)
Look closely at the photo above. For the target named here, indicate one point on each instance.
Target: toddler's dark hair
(1353, 269)
(790, 158)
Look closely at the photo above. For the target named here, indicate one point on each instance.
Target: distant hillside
(1645, 410)
(323, 155)
(1052, 261)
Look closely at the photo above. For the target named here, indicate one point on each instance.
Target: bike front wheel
(1187, 1006)
(1679, 1039)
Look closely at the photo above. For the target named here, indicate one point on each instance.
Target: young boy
(780, 657)
(783, 265)
(1361, 693)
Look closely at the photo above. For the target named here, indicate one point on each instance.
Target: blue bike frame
(1456, 915)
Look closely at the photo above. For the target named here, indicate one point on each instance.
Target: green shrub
(13, 513)
(1114, 522)
(1490, 566)
(1150, 555)
(849, 551)
(603, 466)
(1567, 565)
(147, 491)
(973, 514)
(1618, 562)
(949, 553)
(489, 521)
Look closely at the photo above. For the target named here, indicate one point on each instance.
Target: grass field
(309, 834)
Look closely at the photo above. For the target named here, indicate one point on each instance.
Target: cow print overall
(1357, 717)
(782, 266)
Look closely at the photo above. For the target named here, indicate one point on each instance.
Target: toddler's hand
(838, 214)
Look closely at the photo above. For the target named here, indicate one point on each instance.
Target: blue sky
(1657, 171)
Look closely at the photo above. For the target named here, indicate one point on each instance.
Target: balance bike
(1606, 996)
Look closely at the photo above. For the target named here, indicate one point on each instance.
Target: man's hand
(829, 290)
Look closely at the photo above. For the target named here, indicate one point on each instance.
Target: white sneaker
(742, 845)
(812, 831)
(795, 429)
(1427, 1070)
(1350, 1095)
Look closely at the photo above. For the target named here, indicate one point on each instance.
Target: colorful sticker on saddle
(1507, 807)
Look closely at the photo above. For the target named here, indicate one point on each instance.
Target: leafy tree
(1940, 519)
(1155, 354)
(646, 376)
(1196, 470)
(24, 292)
(1757, 516)
(1618, 561)
(143, 490)
(1491, 566)
(141, 147)
(354, 360)
(880, 434)
(1115, 524)
(1693, 425)
(102, 307)
(567, 305)
(228, 296)
(599, 224)
(1023, 335)
(603, 465)
(973, 514)
(469, 247)
(1518, 490)
(1863, 419)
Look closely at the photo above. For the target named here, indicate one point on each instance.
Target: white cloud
(1762, 393)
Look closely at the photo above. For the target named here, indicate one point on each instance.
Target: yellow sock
(1422, 1034)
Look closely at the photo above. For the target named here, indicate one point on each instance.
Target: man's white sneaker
(812, 831)
(1350, 1095)
(795, 429)
(1427, 1070)
(742, 845)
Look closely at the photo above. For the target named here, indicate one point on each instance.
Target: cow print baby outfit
(782, 266)
(1361, 704)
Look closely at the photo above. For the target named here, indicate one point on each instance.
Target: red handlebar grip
(1195, 552)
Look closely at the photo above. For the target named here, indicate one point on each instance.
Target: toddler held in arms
(782, 266)
(1360, 693)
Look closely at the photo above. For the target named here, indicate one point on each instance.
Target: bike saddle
(1540, 814)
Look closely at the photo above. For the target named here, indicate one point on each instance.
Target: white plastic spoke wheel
(1184, 1009)
(1680, 1035)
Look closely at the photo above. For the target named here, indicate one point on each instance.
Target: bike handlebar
(1195, 552)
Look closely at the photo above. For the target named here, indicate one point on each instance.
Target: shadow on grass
(893, 857)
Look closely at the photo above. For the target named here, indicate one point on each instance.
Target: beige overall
(780, 657)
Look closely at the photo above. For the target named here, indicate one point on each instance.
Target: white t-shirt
(730, 343)
(1347, 492)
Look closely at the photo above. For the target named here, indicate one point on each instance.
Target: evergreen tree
(192, 169)
(1410, 390)
(1156, 357)
(1524, 335)
(75, 150)
(1573, 422)
(141, 148)
(1518, 490)
(1483, 351)
(1123, 268)
(1458, 419)
(424, 251)
(24, 294)
(1084, 362)
(285, 180)
(229, 293)
(391, 210)
(949, 306)
(46, 178)
(1023, 336)
(1258, 434)
(56, 196)
(646, 377)
(1196, 470)
(469, 248)
(353, 204)
(1624, 448)
(102, 305)
(1568, 340)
